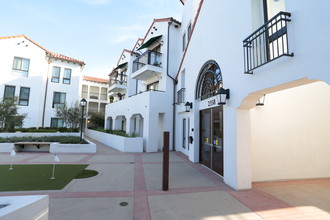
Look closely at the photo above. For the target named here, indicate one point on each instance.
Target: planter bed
(51, 147)
(120, 143)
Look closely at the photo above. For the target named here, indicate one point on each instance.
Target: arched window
(209, 80)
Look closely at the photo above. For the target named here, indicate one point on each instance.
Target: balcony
(267, 43)
(118, 84)
(148, 66)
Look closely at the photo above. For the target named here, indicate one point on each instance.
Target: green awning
(150, 41)
(120, 66)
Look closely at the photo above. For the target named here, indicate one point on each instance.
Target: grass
(37, 177)
(86, 174)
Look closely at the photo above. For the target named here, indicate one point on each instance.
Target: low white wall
(6, 147)
(290, 134)
(37, 134)
(24, 207)
(123, 144)
(73, 148)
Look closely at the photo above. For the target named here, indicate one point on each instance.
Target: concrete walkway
(129, 185)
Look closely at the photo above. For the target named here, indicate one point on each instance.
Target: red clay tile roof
(95, 79)
(49, 53)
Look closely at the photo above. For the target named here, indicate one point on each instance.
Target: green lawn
(37, 177)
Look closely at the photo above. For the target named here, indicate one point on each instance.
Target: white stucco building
(40, 79)
(95, 91)
(270, 52)
(143, 85)
(282, 63)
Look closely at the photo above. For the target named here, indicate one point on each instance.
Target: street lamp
(261, 101)
(188, 106)
(222, 96)
(83, 104)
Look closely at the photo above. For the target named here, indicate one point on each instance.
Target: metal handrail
(267, 43)
(147, 58)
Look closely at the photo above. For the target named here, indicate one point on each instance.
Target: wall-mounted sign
(211, 102)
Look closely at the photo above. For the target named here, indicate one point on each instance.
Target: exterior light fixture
(261, 101)
(222, 96)
(83, 104)
(188, 106)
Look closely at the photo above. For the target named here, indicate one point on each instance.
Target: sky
(94, 31)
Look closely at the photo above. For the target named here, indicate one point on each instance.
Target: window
(21, 66)
(58, 99)
(209, 80)
(189, 31)
(56, 74)
(183, 42)
(24, 95)
(56, 123)
(153, 86)
(9, 92)
(67, 76)
(184, 133)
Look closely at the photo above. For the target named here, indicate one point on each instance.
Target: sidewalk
(129, 186)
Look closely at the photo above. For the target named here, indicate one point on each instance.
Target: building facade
(39, 78)
(269, 57)
(250, 93)
(95, 91)
(143, 85)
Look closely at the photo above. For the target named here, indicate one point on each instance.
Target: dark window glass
(56, 74)
(56, 123)
(21, 66)
(24, 95)
(183, 42)
(67, 76)
(9, 92)
(58, 99)
(189, 31)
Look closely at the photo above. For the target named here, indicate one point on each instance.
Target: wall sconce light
(188, 106)
(222, 96)
(261, 101)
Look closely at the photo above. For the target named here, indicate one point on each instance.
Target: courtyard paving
(129, 186)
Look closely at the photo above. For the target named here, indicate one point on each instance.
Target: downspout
(174, 82)
(45, 98)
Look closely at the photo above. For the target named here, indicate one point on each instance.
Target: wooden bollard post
(166, 160)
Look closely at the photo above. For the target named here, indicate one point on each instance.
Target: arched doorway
(289, 133)
(211, 117)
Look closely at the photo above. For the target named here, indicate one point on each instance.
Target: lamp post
(83, 104)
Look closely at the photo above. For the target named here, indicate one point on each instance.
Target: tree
(9, 117)
(97, 119)
(70, 116)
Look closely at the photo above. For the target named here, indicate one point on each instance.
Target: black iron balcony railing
(267, 43)
(116, 81)
(147, 58)
(181, 95)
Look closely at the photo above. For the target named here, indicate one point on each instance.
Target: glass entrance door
(211, 145)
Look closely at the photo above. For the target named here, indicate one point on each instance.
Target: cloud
(120, 34)
(97, 2)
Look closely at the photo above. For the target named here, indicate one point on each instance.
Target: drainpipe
(45, 98)
(174, 82)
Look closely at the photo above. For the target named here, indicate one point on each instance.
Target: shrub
(114, 132)
(59, 139)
